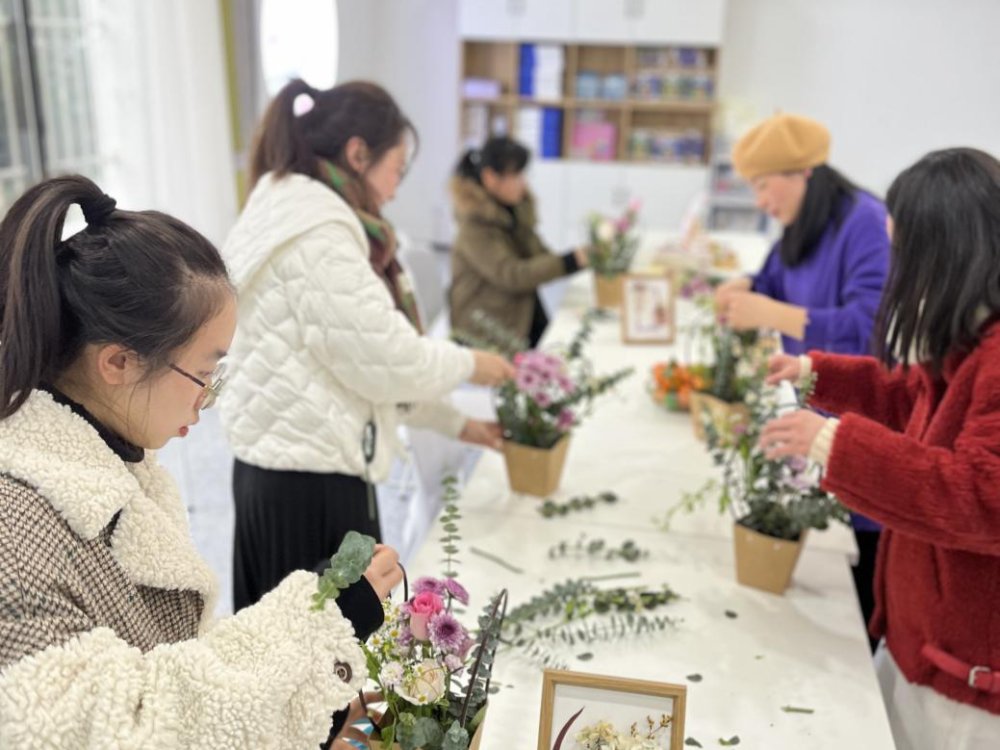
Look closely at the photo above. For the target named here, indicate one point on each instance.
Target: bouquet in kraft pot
(774, 502)
(613, 245)
(551, 393)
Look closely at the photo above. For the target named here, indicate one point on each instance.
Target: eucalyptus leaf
(347, 566)
(456, 738)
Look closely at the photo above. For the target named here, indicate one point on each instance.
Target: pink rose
(422, 607)
(426, 603)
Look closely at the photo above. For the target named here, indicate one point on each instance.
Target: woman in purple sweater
(822, 282)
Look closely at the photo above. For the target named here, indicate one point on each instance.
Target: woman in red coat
(917, 448)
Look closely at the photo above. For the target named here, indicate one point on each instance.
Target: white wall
(411, 48)
(892, 79)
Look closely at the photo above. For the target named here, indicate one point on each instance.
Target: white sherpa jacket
(97, 646)
(320, 347)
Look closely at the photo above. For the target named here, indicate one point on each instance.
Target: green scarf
(381, 239)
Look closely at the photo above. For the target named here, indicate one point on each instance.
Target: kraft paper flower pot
(765, 562)
(723, 415)
(473, 743)
(535, 471)
(608, 291)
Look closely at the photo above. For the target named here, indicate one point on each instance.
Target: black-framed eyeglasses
(210, 390)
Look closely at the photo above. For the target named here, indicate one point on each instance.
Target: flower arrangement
(613, 243)
(672, 383)
(779, 498)
(774, 502)
(551, 392)
(650, 735)
(432, 672)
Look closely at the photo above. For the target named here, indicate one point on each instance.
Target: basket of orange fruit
(672, 383)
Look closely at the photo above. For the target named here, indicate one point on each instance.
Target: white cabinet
(489, 19)
(602, 21)
(696, 23)
(547, 179)
(592, 186)
(545, 20)
(689, 22)
(528, 20)
(666, 192)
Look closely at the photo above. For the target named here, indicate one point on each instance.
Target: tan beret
(783, 143)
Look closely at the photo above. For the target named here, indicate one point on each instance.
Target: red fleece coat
(922, 456)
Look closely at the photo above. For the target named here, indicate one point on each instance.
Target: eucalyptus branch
(550, 508)
(449, 516)
(491, 335)
(597, 549)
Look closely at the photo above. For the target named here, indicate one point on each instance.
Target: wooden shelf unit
(635, 114)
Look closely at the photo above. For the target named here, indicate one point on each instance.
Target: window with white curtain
(46, 95)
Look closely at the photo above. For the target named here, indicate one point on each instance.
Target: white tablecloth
(807, 648)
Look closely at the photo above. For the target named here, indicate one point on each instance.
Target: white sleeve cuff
(439, 416)
(822, 444)
(805, 367)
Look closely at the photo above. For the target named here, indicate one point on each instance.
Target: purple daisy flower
(456, 590)
(426, 583)
(446, 632)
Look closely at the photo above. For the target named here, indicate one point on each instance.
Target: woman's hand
(491, 369)
(355, 713)
(782, 367)
(487, 434)
(582, 255)
(384, 573)
(748, 310)
(791, 435)
(724, 291)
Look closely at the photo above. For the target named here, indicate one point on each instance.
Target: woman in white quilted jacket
(112, 340)
(330, 354)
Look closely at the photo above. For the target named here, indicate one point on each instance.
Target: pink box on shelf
(596, 141)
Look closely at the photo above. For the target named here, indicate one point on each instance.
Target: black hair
(286, 142)
(140, 279)
(829, 196)
(944, 278)
(500, 153)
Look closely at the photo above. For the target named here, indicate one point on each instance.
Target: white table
(807, 648)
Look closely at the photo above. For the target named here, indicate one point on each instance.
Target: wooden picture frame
(647, 310)
(559, 709)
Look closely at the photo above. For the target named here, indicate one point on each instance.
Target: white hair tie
(303, 103)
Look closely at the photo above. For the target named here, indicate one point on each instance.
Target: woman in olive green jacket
(498, 260)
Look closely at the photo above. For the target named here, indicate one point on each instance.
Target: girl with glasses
(111, 344)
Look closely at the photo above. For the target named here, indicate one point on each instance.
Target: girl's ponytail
(33, 322)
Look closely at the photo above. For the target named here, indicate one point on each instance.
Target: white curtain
(162, 109)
